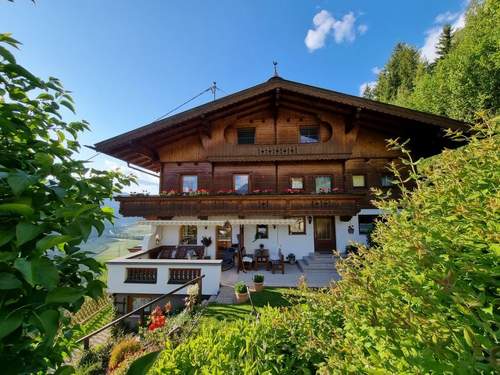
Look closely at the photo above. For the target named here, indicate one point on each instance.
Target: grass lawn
(275, 297)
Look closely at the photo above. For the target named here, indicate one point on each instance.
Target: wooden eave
(140, 145)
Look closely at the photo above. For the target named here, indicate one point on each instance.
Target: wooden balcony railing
(229, 152)
(241, 205)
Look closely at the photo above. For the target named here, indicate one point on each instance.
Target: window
(262, 232)
(297, 183)
(246, 136)
(323, 184)
(358, 181)
(141, 275)
(241, 183)
(309, 134)
(366, 223)
(188, 235)
(299, 227)
(189, 183)
(136, 302)
(386, 181)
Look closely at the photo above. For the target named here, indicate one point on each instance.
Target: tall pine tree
(445, 41)
(398, 75)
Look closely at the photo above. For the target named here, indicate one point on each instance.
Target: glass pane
(189, 183)
(386, 181)
(297, 183)
(299, 227)
(323, 184)
(246, 136)
(189, 234)
(323, 228)
(309, 134)
(358, 181)
(366, 223)
(241, 183)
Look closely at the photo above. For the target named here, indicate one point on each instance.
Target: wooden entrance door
(324, 234)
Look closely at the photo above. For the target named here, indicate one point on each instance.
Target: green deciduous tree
(49, 204)
(462, 82)
(466, 80)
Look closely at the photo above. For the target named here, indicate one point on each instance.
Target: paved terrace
(315, 278)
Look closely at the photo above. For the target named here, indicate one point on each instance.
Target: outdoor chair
(228, 258)
(277, 261)
(245, 261)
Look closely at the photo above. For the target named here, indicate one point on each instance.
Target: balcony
(242, 205)
(313, 151)
(138, 273)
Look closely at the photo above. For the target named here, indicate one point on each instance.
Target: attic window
(246, 136)
(309, 134)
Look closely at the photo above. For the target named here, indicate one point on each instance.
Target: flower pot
(259, 287)
(241, 297)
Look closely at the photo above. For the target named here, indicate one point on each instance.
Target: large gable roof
(138, 146)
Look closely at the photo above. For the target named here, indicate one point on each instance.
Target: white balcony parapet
(137, 274)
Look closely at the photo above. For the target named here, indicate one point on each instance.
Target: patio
(315, 278)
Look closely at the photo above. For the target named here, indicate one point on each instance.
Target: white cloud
(364, 85)
(343, 29)
(457, 20)
(446, 17)
(376, 70)
(362, 29)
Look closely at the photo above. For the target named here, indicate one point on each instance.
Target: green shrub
(423, 299)
(258, 278)
(95, 360)
(240, 287)
(122, 350)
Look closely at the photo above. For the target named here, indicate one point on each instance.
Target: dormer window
(309, 134)
(246, 136)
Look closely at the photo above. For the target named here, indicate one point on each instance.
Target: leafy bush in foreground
(423, 299)
(49, 204)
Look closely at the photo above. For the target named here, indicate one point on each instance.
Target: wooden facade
(350, 151)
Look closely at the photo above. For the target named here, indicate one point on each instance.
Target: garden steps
(317, 263)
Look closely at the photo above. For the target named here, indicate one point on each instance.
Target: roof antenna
(275, 63)
(214, 88)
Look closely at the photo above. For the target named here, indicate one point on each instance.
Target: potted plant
(241, 292)
(291, 258)
(258, 282)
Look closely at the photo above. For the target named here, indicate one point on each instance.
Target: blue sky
(129, 62)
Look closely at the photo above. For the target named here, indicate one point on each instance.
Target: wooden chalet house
(282, 164)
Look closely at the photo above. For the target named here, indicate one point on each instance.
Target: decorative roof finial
(275, 63)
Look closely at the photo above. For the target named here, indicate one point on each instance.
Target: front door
(324, 234)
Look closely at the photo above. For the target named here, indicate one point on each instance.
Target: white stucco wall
(170, 235)
(343, 237)
(117, 273)
(299, 244)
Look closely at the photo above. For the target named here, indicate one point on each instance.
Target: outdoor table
(261, 257)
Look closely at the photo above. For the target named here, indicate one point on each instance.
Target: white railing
(136, 274)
